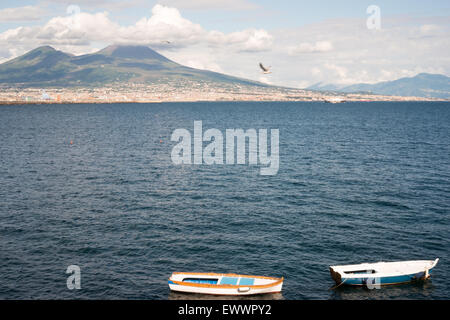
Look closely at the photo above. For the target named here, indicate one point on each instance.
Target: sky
(304, 42)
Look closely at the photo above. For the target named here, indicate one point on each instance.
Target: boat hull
(223, 291)
(364, 281)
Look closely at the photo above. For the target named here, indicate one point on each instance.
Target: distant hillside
(45, 66)
(423, 85)
(320, 86)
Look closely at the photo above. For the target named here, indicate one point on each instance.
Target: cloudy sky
(305, 42)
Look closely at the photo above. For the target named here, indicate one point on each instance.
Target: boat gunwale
(226, 275)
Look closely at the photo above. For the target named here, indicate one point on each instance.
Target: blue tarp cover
(229, 280)
(247, 281)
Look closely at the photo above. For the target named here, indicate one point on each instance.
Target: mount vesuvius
(47, 67)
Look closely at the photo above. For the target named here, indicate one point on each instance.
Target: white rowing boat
(224, 284)
(383, 273)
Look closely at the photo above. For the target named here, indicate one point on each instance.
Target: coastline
(182, 92)
(43, 102)
(80, 97)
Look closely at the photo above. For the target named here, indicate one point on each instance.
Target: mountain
(422, 85)
(320, 86)
(45, 66)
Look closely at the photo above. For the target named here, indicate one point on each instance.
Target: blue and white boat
(382, 273)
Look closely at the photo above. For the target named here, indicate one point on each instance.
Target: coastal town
(180, 91)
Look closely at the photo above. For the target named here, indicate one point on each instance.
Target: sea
(94, 186)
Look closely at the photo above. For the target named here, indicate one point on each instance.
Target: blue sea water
(358, 182)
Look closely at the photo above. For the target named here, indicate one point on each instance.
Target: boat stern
(336, 276)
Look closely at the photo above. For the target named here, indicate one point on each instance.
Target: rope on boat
(338, 285)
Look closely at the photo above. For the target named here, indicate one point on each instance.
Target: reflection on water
(196, 296)
(421, 289)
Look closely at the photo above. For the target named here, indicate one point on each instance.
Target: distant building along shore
(183, 91)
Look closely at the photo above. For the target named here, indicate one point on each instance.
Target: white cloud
(429, 29)
(341, 72)
(196, 58)
(105, 4)
(250, 40)
(210, 4)
(404, 47)
(21, 14)
(306, 47)
(315, 71)
(164, 24)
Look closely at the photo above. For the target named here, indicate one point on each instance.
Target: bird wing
(262, 67)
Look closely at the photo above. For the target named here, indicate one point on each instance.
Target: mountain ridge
(425, 85)
(46, 67)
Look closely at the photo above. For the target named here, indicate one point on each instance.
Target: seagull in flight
(264, 69)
